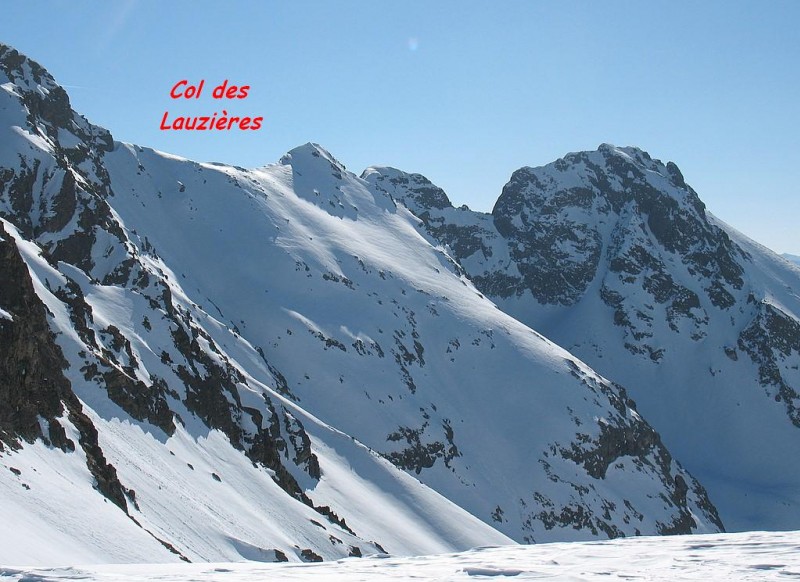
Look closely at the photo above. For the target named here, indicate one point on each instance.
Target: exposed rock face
(556, 223)
(32, 383)
(36, 396)
(59, 201)
(772, 340)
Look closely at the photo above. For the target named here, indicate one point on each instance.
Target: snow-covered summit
(309, 154)
(319, 178)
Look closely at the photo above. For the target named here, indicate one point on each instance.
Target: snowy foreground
(739, 556)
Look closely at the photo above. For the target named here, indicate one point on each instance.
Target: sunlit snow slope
(758, 556)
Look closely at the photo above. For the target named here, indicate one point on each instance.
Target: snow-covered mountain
(613, 256)
(203, 362)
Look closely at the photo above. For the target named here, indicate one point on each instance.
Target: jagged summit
(556, 228)
(47, 110)
(24, 71)
(633, 153)
(618, 175)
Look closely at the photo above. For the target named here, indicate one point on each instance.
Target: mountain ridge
(614, 256)
(292, 327)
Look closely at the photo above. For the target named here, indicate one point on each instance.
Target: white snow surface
(761, 556)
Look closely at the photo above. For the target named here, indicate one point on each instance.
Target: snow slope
(102, 458)
(742, 556)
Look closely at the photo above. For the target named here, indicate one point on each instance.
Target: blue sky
(463, 92)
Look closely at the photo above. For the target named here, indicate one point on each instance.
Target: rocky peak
(55, 188)
(560, 218)
(47, 105)
(617, 175)
(24, 72)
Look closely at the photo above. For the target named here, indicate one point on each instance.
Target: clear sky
(464, 92)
